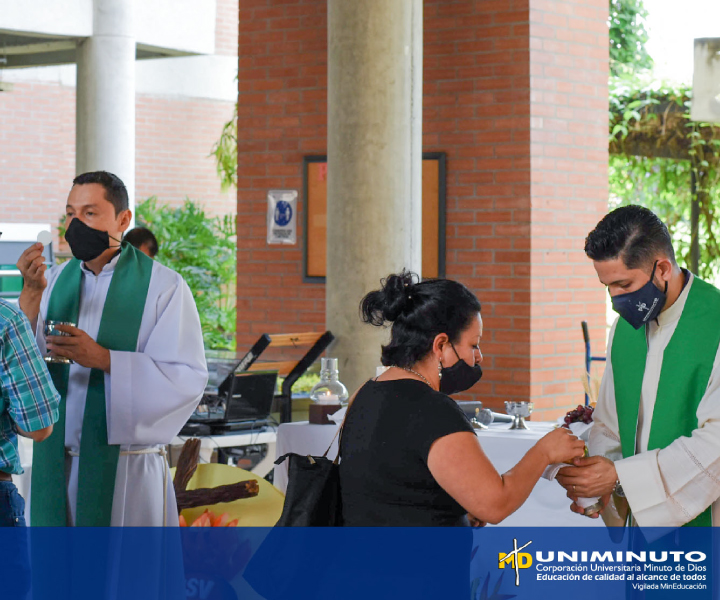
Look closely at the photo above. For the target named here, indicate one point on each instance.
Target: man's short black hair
(115, 190)
(632, 233)
(142, 235)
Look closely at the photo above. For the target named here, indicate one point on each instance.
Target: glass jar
(329, 390)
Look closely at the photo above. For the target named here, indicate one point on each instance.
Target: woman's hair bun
(387, 304)
(419, 311)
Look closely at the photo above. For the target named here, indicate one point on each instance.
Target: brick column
(282, 115)
(477, 109)
(569, 191)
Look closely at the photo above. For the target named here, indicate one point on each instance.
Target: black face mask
(643, 305)
(85, 242)
(460, 377)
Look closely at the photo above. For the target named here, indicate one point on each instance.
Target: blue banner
(493, 563)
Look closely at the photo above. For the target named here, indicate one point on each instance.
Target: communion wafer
(44, 237)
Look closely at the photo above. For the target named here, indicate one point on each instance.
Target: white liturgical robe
(149, 394)
(666, 487)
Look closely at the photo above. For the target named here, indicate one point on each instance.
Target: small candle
(328, 398)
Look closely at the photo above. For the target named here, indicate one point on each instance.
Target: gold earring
(440, 369)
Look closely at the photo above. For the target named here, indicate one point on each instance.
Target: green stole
(687, 364)
(119, 327)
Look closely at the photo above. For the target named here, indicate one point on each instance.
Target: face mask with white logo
(643, 305)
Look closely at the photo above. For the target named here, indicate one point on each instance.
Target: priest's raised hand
(79, 347)
(31, 265)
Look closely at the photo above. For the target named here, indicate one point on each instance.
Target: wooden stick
(187, 464)
(223, 493)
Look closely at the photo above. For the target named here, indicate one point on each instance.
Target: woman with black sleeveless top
(410, 456)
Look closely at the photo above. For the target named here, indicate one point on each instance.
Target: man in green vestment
(137, 374)
(655, 443)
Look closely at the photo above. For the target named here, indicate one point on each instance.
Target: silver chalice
(519, 411)
(51, 329)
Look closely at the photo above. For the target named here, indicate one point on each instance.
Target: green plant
(303, 385)
(203, 250)
(61, 228)
(628, 37)
(656, 153)
(225, 152)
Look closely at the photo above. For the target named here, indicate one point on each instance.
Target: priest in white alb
(655, 442)
(137, 373)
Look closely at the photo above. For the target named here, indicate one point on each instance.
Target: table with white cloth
(548, 504)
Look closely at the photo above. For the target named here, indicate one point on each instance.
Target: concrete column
(374, 165)
(105, 111)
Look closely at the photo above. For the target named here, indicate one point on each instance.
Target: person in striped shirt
(28, 404)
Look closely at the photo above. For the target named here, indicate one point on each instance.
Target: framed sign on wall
(433, 216)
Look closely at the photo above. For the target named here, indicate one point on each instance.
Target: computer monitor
(251, 395)
(248, 399)
(222, 364)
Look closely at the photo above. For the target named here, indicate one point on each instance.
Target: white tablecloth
(548, 504)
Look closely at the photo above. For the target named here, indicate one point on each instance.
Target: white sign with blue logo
(282, 217)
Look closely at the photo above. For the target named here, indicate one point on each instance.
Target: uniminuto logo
(516, 559)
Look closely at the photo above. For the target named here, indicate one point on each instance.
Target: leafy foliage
(303, 385)
(628, 37)
(655, 150)
(641, 104)
(203, 250)
(664, 186)
(226, 153)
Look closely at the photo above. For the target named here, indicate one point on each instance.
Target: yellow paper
(263, 510)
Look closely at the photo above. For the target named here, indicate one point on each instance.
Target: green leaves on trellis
(655, 148)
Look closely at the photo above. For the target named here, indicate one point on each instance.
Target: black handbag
(312, 498)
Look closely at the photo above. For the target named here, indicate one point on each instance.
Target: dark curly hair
(632, 233)
(418, 313)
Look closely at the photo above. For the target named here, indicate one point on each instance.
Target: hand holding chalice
(579, 422)
(51, 329)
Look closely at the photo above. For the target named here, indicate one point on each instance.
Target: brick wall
(226, 27)
(569, 157)
(476, 107)
(174, 137)
(282, 111)
(37, 151)
(515, 92)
